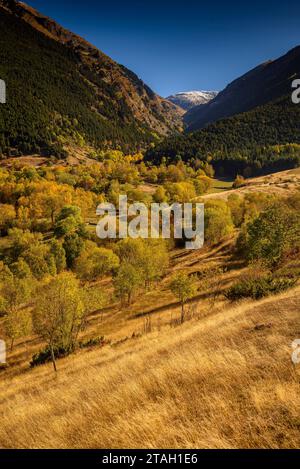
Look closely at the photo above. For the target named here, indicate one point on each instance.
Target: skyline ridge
(171, 49)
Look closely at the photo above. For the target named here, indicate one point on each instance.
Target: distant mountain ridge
(189, 99)
(70, 83)
(261, 85)
(250, 128)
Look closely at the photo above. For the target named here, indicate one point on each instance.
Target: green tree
(181, 192)
(40, 261)
(59, 254)
(272, 235)
(218, 221)
(202, 184)
(153, 260)
(127, 282)
(184, 288)
(73, 245)
(7, 217)
(160, 195)
(22, 240)
(69, 221)
(95, 262)
(21, 269)
(150, 257)
(15, 292)
(17, 324)
(59, 313)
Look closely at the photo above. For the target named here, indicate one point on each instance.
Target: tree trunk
(53, 359)
(182, 313)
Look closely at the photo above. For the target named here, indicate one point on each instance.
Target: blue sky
(180, 46)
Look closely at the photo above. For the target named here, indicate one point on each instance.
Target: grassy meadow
(216, 382)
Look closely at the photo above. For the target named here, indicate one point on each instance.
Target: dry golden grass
(217, 382)
(283, 183)
(158, 303)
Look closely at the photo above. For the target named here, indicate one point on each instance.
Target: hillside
(259, 140)
(63, 91)
(264, 84)
(281, 184)
(221, 381)
(140, 374)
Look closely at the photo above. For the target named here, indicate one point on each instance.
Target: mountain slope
(189, 99)
(260, 141)
(262, 85)
(61, 88)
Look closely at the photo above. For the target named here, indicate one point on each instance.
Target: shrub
(45, 356)
(238, 182)
(95, 342)
(259, 287)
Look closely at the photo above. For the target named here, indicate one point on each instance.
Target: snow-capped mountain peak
(189, 99)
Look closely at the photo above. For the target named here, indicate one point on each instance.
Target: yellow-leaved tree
(183, 287)
(59, 313)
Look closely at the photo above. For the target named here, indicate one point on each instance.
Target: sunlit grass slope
(224, 381)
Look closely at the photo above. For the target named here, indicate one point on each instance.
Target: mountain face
(62, 89)
(264, 84)
(189, 99)
(250, 128)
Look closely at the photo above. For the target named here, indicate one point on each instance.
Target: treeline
(245, 144)
(51, 99)
(32, 197)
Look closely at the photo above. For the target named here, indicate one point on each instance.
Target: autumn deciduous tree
(95, 262)
(184, 288)
(149, 256)
(15, 290)
(73, 245)
(160, 195)
(20, 241)
(59, 255)
(7, 217)
(59, 313)
(154, 260)
(127, 281)
(271, 235)
(181, 192)
(69, 221)
(17, 324)
(218, 221)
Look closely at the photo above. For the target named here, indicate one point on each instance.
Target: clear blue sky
(188, 45)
